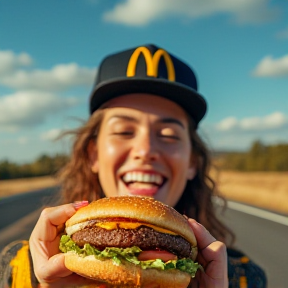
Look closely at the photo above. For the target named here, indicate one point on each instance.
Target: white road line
(258, 212)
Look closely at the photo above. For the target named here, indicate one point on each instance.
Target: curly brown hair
(197, 199)
(78, 182)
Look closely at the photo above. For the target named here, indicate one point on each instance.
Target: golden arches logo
(152, 62)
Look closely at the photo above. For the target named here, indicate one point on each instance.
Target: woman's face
(143, 148)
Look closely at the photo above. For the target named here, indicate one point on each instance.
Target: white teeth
(143, 177)
(139, 177)
(146, 178)
(127, 177)
(134, 176)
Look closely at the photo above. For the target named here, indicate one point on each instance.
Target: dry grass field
(263, 189)
(12, 187)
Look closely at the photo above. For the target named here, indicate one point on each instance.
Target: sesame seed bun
(132, 209)
(143, 209)
(125, 274)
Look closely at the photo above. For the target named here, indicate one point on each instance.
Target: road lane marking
(258, 212)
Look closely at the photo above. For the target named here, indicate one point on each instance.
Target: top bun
(143, 209)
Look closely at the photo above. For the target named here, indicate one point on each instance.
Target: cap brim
(191, 101)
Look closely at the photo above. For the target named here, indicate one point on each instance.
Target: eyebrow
(172, 120)
(124, 117)
(162, 120)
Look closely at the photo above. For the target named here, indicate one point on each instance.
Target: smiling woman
(151, 142)
(141, 140)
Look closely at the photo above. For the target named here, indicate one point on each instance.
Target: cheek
(111, 156)
(179, 179)
(109, 151)
(180, 164)
(106, 157)
(180, 155)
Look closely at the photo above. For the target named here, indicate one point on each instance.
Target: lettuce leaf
(129, 254)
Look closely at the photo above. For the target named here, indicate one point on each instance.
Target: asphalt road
(264, 241)
(19, 213)
(17, 206)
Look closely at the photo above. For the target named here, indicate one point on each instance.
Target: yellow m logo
(152, 62)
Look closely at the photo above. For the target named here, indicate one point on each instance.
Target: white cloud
(60, 77)
(283, 34)
(50, 135)
(239, 134)
(276, 120)
(22, 140)
(30, 108)
(227, 124)
(10, 61)
(269, 67)
(139, 13)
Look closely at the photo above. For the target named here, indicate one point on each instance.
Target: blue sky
(50, 51)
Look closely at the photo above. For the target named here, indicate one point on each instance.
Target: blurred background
(50, 52)
(49, 55)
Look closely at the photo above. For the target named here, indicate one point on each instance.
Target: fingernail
(186, 217)
(79, 204)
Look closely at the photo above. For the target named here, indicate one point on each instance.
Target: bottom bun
(126, 274)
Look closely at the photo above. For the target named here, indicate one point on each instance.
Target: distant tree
(8, 170)
(278, 157)
(256, 158)
(259, 157)
(43, 165)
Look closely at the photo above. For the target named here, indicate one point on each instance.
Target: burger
(130, 242)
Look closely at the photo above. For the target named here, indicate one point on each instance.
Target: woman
(141, 139)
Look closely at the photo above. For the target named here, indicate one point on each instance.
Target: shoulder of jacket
(10, 251)
(243, 272)
(16, 265)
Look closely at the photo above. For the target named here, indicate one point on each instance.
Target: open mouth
(142, 180)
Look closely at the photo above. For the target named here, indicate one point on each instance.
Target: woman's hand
(48, 263)
(212, 256)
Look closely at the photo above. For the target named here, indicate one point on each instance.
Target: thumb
(55, 268)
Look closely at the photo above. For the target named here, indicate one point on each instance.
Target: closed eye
(169, 134)
(174, 137)
(123, 133)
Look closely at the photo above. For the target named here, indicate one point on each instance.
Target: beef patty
(143, 237)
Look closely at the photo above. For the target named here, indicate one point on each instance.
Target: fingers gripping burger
(130, 242)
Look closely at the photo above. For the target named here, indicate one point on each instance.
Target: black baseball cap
(148, 69)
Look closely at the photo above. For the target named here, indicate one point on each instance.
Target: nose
(145, 147)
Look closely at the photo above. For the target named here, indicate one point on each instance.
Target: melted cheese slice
(131, 225)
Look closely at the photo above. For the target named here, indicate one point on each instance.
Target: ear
(93, 156)
(192, 170)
